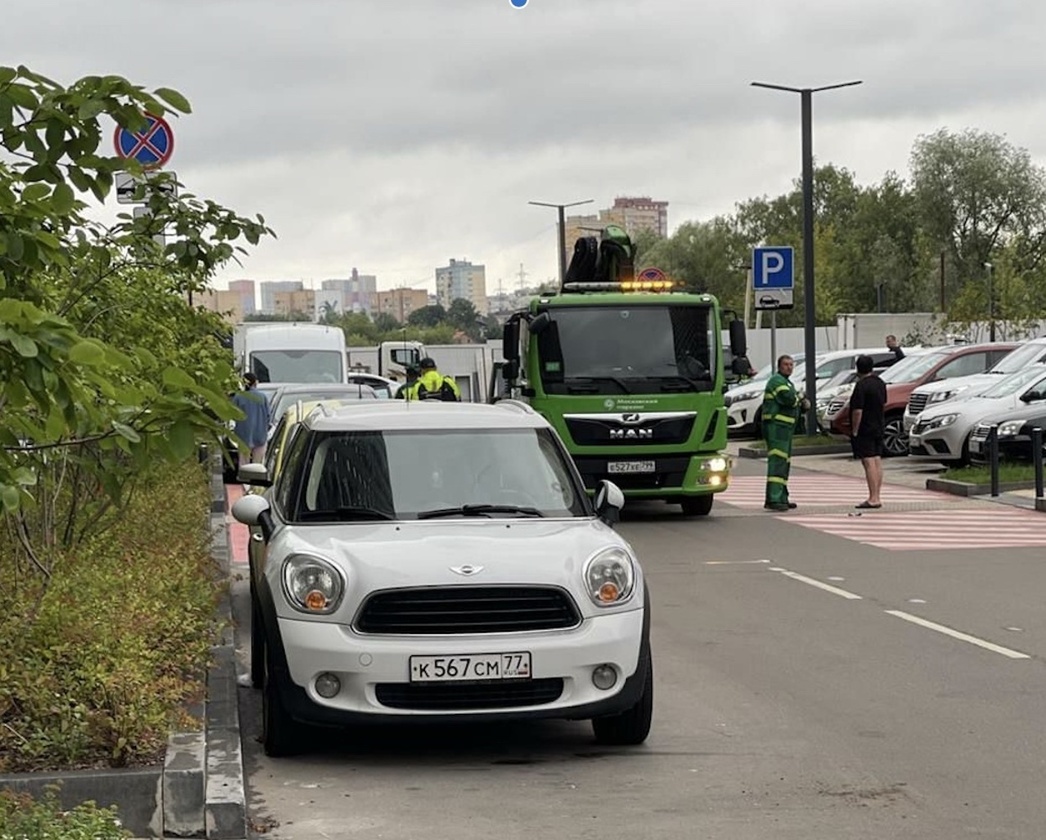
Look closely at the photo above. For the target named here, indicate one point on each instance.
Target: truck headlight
(717, 464)
(312, 585)
(610, 577)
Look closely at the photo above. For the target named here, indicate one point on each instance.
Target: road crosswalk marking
(821, 490)
(929, 530)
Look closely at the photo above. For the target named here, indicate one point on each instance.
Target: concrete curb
(964, 488)
(199, 790)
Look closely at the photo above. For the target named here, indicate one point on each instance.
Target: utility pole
(806, 113)
(521, 275)
(562, 231)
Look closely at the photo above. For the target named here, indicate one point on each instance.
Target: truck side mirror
(539, 323)
(510, 340)
(738, 339)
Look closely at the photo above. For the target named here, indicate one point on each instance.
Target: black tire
(895, 440)
(257, 644)
(280, 733)
(632, 726)
(697, 505)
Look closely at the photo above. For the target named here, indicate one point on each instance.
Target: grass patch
(45, 819)
(101, 663)
(982, 475)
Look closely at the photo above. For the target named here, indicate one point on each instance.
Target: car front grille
(457, 696)
(981, 432)
(450, 610)
(917, 402)
(834, 407)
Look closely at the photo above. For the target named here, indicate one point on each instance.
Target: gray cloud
(393, 134)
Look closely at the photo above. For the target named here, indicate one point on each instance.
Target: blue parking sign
(773, 276)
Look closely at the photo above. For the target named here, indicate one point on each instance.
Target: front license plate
(630, 466)
(975, 445)
(477, 666)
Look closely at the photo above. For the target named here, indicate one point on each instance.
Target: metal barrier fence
(992, 444)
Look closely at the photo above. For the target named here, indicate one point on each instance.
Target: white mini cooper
(420, 561)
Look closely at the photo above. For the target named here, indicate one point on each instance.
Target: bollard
(993, 457)
(1036, 459)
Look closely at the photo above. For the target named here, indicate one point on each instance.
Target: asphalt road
(808, 685)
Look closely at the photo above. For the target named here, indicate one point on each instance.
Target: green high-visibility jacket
(780, 401)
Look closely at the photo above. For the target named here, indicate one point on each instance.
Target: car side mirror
(1031, 396)
(253, 510)
(256, 475)
(609, 501)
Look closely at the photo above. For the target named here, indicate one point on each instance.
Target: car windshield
(628, 349)
(423, 474)
(1015, 382)
(911, 368)
(1019, 358)
(297, 365)
(283, 400)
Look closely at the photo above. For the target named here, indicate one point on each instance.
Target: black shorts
(867, 446)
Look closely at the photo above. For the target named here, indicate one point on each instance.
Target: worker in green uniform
(781, 407)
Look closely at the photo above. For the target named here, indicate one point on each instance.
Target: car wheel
(632, 726)
(280, 732)
(697, 505)
(257, 644)
(895, 441)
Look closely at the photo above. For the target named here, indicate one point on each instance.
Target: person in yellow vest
(432, 385)
(781, 407)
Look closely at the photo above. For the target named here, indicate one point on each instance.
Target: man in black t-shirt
(867, 404)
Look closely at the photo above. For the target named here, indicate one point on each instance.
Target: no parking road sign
(152, 147)
(773, 277)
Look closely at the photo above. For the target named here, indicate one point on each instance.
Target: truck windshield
(297, 366)
(617, 349)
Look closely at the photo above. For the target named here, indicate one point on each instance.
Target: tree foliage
(104, 368)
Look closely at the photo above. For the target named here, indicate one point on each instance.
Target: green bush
(21, 818)
(103, 661)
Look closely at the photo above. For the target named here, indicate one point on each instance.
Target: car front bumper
(941, 444)
(366, 666)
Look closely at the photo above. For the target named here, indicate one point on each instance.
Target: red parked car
(917, 368)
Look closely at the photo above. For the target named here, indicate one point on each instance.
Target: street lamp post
(991, 302)
(562, 231)
(806, 99)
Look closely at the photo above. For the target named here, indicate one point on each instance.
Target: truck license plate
(630, 466)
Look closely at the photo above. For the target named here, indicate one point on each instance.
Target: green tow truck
(631, 373)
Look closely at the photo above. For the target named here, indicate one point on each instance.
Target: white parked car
(961, 387)
(441, 562)
(943, 432)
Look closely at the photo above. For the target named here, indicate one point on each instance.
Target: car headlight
(718, 464)
(312, 585)
(610, 577)
(941, 396)
(943, 420)
(1009, 428)
(745, 395)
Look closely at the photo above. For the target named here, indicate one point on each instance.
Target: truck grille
(614, 430)
(455, 696)
(450, 610)
(917, 402)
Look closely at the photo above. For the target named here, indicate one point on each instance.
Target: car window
(965, 365)
(404, 473)
(826, 370)
(272, 451)
(1013, 383)
(286, 487)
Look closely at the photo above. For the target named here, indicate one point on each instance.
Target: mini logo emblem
(466, 571)
(629, 418)
(608, 405)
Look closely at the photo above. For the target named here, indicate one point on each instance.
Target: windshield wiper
(673, 381)
(478, 510)
(346, 514)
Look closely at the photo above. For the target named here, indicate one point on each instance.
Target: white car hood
(972, 410)
(973, 384)
(386, 555)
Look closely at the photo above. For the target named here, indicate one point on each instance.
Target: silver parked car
(943, 432)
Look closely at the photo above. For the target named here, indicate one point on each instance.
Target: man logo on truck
(631, 434)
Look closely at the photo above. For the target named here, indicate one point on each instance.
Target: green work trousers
(778, 437)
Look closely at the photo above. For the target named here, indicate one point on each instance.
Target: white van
(291, 352)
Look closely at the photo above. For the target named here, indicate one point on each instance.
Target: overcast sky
(392, 135)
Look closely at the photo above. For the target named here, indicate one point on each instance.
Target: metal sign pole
(773, 337)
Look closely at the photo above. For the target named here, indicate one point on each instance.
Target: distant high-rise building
(399, 303)
(269, 290)
(245, 289)
(357, 291)
(462, 279)
(299, 303)
(631, 213)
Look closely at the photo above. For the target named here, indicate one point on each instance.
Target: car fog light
(715, 480)
(604, 677)
(327, 685)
